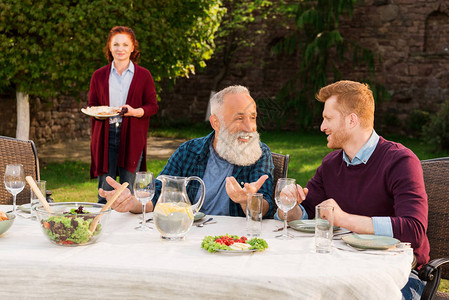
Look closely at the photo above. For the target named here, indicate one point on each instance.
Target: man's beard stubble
(236, 152)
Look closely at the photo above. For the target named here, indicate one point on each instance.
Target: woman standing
(118, 144)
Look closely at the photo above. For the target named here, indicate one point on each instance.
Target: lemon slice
(168, 208)
(162, 208)
(190, 212)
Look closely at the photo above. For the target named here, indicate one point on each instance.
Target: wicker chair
(436, 179)
(14, 151)
(280, 170)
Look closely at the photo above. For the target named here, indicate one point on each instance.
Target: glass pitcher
(174, 214)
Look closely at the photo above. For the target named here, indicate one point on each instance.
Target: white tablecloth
(129, 264)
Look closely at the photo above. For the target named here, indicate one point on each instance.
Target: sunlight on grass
(70, 181)
(444, 286)
(85, 192)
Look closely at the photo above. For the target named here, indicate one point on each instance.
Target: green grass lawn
(70, 181)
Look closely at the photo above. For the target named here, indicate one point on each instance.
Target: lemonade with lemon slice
(173, 214)
(173, 219)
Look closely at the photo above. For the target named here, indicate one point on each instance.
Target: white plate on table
(198, 216)
(25, 207)
(101, 111)
(370, 241)
(306, 225)
(236, 251)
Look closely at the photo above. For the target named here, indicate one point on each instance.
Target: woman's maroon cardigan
(133, 137)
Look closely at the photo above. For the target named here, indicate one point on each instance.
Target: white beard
(236, 152)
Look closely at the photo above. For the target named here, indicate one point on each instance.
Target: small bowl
(66, 229)
(4, 225)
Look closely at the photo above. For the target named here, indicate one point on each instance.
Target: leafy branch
(322, 48)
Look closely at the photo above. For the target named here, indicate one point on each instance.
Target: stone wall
(50, 121)
(411, 36)
(257, 68)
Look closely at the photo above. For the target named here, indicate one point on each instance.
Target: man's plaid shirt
(190, 159)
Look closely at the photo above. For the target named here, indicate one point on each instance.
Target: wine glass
(286, 196)
(14, 181)
(144, 186)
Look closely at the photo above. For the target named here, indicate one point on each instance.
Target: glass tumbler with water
(254, 214)
(34, 200)
(324, 228)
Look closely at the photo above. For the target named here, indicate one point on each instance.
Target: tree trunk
(23, 116)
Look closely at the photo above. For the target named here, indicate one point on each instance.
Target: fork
(396, 250)
(23, 216)
(147, 220)
(203, 223)
(280, 228)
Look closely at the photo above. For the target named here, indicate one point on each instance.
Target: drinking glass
(144, 186)
(34, 200)
(324, 229)
(14, 181)
(286, 196)
(254, 206)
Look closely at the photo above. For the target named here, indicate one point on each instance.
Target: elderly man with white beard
(231, 160)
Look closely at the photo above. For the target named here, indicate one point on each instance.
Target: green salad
(232, 243)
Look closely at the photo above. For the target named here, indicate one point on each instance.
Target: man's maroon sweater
(390, 184)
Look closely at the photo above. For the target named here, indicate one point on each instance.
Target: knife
(280, 228)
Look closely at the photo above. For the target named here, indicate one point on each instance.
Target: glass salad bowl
(73, 223)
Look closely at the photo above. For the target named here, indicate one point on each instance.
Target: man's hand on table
(355, 223)
(239, 194)
(125, 202)
(295, 213)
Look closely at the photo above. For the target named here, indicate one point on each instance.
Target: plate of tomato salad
(233, 244)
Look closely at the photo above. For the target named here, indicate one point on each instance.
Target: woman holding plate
(118, 143)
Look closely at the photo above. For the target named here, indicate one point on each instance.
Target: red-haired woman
(118, 144)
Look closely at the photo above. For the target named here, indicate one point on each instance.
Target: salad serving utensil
(108, 205)
(38, 193)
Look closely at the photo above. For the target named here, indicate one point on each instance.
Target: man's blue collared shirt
(364, 153)
(190, 159)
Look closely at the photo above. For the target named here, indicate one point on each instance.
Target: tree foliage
(233, 32)
(322, 48)
(52, 47)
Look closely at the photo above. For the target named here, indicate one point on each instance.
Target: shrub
(418, 120)
(436, 131)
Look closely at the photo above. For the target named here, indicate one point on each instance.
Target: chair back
(14, 151)
(280, 162)
(436, 179)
